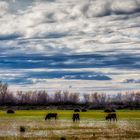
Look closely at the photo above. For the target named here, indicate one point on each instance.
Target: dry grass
(54, 130)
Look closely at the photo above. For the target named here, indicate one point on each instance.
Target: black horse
(76, 117)
(10, 111)
(111, 117)
(51, 116)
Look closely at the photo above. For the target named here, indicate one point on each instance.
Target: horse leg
(73, 119)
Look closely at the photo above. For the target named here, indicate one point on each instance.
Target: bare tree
(3, 92)
(86, 98)
(58, 97)
(74, 98)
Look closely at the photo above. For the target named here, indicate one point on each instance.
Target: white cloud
(129, 6)
(3, 8)
(73, 26)
(132, 81)
(74, 23)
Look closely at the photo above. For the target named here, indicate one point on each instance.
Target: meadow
(91, 126)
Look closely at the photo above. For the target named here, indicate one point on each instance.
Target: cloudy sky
(77, 45)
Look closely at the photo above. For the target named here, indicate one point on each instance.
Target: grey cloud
(9, 36)
(132, 81)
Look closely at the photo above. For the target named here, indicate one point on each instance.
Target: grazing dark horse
(10, 111)
(51, 116)
(84, 110)
(77, 110)
(111, 117)
(76, 117)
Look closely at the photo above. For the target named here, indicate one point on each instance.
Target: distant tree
(103, 100)
(74, 98)
(65, 96)
(10, 99)
(3, 92)
(58, 97)
(137, 99)
(95, 99)
(42, 97)
(19, 97)
(86, 98)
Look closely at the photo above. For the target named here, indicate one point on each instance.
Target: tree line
(65, 99)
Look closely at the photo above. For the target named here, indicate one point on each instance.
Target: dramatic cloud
(71, 34)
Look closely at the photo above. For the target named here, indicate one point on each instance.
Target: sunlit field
(91, 126)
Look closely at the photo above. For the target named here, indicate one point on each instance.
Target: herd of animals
(111, 116)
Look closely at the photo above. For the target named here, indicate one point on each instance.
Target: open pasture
(92, 126)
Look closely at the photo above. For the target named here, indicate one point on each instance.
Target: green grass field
(92, 125)
(67, 114)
